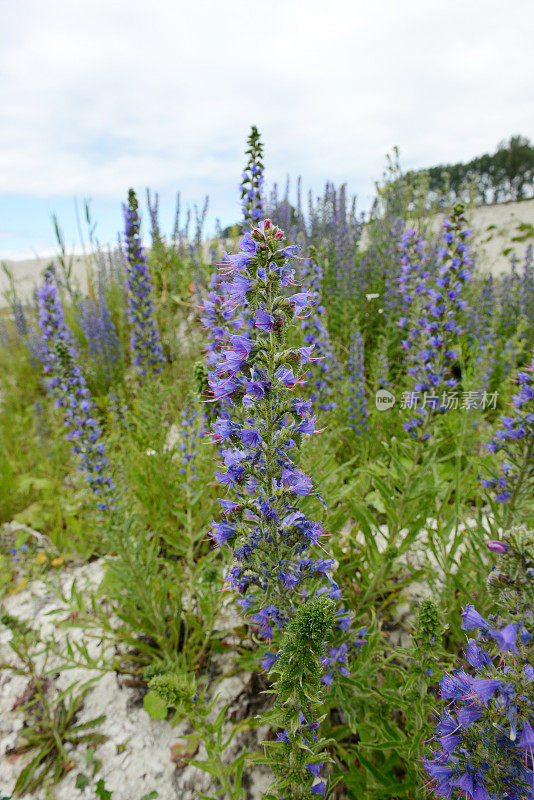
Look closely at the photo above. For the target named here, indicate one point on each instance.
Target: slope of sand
(499, 231)
(27, 274)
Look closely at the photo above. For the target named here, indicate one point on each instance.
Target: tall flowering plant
(103, 345)
(65, 381)
(514, 436)
(325, 371)
(252, 181)
(485, 734)
(434, 322)
(144, 336)
(275, 566)
(357, 408)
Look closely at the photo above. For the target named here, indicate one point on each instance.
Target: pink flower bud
(279, 235)
(496, 547)
(267, 224)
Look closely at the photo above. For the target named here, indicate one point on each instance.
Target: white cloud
(99, 95)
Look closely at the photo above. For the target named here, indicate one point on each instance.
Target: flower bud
(497, 547)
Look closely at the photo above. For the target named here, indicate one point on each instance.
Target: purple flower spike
(64, 380)
(144, 336)
(432, 314)
(513, 437)
(276, 565)
(252, 181)
(357, 408)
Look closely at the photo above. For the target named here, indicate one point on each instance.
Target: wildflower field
(276, 487)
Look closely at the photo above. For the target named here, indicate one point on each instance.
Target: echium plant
(275, 569)
(434, 322)
(325, 371)
(298, 752)
(485, 734)
(252, 180)
(144, 336)
(357, 408)
(514, 437)
(65, 381)
(103, 345)
(412, 277)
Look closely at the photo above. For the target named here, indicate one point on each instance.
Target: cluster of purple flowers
(23, 549)
(257, 376)
(65, 381)
(413, 275)
(344, 251)
(19, 318)
(274, 568)
(485, 734)
(102, 340)
(502, 310)
(515, 438)
(357, 408)
(435, 304)
(192, 429)
(144, 336)
(252, 181)
(220, 316)
(325, 370)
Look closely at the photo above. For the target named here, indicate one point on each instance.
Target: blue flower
(471, 619)
(255, 377)
(514, 437)
(144, 336)
(506, 638)
(64, 380)
(357, 409)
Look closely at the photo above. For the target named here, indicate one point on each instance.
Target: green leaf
(207, 766)
(155, 706)
(101, 791)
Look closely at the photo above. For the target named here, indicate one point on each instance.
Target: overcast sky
(99, 95)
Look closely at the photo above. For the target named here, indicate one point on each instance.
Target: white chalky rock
(136, 758)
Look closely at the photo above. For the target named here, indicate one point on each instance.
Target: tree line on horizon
(506, 175)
